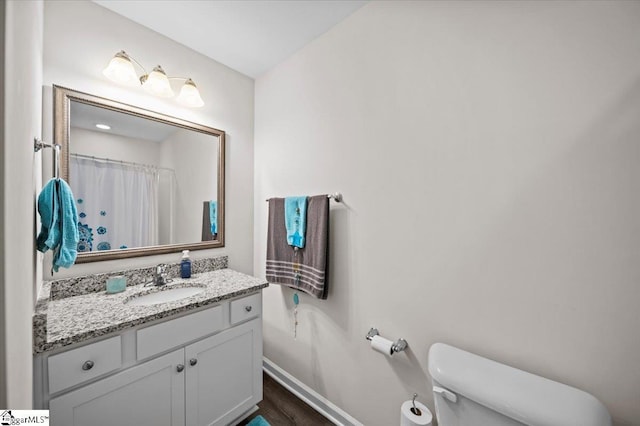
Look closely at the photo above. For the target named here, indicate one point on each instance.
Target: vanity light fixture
(103, 126)
(121, 70)
(189, 94)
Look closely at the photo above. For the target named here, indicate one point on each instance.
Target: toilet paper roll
(382, 345)
(422, 417)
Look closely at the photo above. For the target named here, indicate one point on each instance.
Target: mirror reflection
(140, 182)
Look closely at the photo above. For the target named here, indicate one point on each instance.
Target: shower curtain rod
(129, 163)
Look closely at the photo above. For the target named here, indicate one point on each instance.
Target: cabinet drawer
(79, 365)
(245, 308)
(176, 332)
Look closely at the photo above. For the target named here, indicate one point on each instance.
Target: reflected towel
(213, 216)
(59, 218)
(303, 269)
(295, 220)
(206, 223)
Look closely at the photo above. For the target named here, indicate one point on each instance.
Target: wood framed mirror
(145, 183)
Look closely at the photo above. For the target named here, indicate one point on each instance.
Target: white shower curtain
(117, 204)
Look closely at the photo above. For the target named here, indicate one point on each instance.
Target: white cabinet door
(224, 375)
(151, 393)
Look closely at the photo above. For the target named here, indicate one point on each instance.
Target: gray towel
(304, 269)
(206, 223)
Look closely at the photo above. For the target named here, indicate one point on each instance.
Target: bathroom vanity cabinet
(202, 368)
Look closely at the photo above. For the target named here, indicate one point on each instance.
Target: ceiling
(86, 117)
(250, 36)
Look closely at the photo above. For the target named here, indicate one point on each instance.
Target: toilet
(470, 390)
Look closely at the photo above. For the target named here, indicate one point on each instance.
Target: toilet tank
(470, 390)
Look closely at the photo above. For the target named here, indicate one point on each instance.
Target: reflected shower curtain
(117, 204)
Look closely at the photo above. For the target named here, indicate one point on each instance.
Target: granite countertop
(69, 320)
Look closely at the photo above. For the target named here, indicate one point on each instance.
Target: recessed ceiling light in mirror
(103, 126)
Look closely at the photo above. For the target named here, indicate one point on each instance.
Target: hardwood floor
(282, 408)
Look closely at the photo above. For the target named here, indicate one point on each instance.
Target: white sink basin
(164, 296)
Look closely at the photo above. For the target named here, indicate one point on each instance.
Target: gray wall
(489, 160)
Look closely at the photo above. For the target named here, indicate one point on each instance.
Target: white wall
(3, 366)
(194, 157)
(489, 160)
(104, 145)
(81, 38)
(21, 182)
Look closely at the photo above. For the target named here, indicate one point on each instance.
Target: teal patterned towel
(295, 220)
(213, 216)
(59, 217)
(258, 421)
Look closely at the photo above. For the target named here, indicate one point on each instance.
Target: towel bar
(39, 144)
(336, 196)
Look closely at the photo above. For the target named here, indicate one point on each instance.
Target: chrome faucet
(160, 278)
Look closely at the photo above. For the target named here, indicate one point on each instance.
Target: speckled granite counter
(64, 321)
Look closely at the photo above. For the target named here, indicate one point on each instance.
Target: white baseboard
(319, 403)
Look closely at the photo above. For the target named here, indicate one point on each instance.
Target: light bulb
(120, 70)
(157, 83)
(189, 95)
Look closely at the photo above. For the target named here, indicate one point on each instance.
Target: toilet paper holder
(399, 345)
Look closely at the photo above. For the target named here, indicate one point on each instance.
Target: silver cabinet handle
(88, 365)
(248, 308)
(179, 368)
(193, 361)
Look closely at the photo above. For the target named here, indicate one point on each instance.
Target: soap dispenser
(185, 265)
